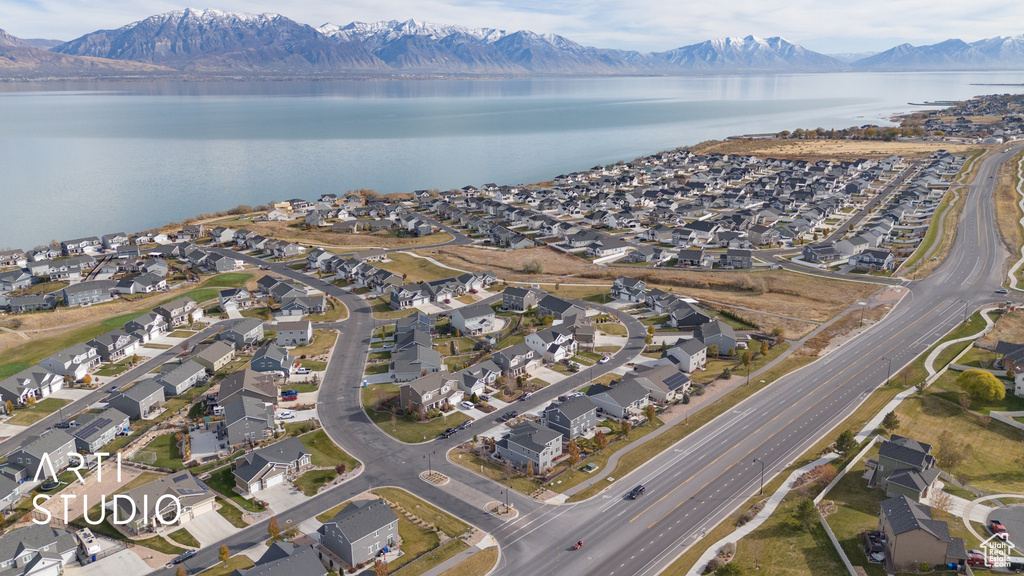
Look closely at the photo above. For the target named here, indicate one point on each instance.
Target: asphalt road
(691, 486)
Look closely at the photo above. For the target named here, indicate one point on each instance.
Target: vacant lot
(826, 149)
(1009, 327)
(293, 232)
(1007, 211)
(775, 291)
(414, 269)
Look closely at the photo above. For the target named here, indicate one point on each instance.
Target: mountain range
(195, 42)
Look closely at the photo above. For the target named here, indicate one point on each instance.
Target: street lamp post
(966, 306)
(762, 474)
(430, 469)
(888, 370)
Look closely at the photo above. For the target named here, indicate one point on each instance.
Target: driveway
(299, 416)
(72, 393)
(123, 563)
(282, 497)
(210, 527)
(548, 375)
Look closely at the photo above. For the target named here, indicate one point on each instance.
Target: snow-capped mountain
(750, 53)
(989, 54)
(211, 40)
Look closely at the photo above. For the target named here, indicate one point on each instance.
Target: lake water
(90, 158)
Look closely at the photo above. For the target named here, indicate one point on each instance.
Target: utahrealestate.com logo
(997, 552)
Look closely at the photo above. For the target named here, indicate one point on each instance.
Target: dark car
(62, 425)
(511, 414)
(637, 492)
(184, 556)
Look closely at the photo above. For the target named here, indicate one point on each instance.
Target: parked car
(998, 529)
(466, 424)
(604, 360)
(1002, 291)
(526, 396)
(637, 492)
(978, 558)
(184, 556)
(286, 415)
(62, 425)
(466, 405)
(485, 397)
(576, 395)
(289, 395)
(302, 370)
(114, 389)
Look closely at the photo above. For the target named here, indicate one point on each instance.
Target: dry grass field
(324, 236)
(1008, 327)
(1007, 212)
(826, 149)
(770, 291)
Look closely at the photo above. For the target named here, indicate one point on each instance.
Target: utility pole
(762, 474)
(888, 370)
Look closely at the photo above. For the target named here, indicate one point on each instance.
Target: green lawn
(858, 511)
(324, 517)
(447, 523)
(261, 313)
(323, 341)
(613, 329)
(231, 514)
(434, 558)
(478, 564)
(303, 387)
(114, 369)
(225, 568)
(223, 481)
(382, 310)
(167, 453)
(414, 269)
(184, 538)
(325, 452)
(31, 414)
(404, 429)
(519, 483)
(376, 369)
(310, 482)
(335, 311)
(229, 279)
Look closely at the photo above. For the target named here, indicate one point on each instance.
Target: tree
(981, 385)
(713, 350)
(529, 469)
(380, 568)
(942, 501)
(31, 400)
(825, 473)
(273, 528)
(952, 452)
(224, 554)
(508, 468)
(533, 266)
(87, 379)
(891, 422)
(779, 337)
(1010, 372)
(180, 571)
(650, 335)
(764, 348)
(845, 443)
(626, 427)
(600, 440)
(574, 452)
(9, 406)
(806, 513)
(651, 412)
(732, 352)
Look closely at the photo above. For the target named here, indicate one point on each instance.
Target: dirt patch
(1007, 211)
(841, 331)
(324, 236)
(1008, 327)
(826, 149)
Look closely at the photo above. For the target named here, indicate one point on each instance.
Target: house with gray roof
(688, 355)
(553, 306)
(115, 345)
(177, 378)
(10, 492)
(473, 319)
(530, 442)
(913, 537)
(520, 299)
(360, 530)
(623, 400)
(474, 379)
(515, 360)
(180, 311)
(215, 356)
(94, 431)
(553, 344)
(303, 305)
(573, 418)
(663, 381)
(35, 382)
(414, 361)
(146, 327)
(194, 498)
(270, 465)
(286, 559)
(272, 358)
(31, 303)
(243, 333)
(718, 333)
(55, 444)
(626, 288)
(36, 550)
(905, 467)
(142, 400)
(431, 391)
(86, 293)
(247, 422)
(298, 333)
(248, 383)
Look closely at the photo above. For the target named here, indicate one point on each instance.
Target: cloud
(646, 25)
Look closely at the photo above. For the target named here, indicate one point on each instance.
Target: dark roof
(555, 304)
(283, 452)
(34, 537)
(907, 451)
(532, 435)
(906, 516)
(573, 408)
(624, 393)
(99, 425)
(363, 517)
(475, 311)
(142, 389)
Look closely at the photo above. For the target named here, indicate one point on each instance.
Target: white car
(576, 394)
(285, 415)
(604, 360)
(302, 370)
(466, 405)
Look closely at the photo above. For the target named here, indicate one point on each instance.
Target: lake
(90, 158)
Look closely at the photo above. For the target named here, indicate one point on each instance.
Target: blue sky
(647, 25)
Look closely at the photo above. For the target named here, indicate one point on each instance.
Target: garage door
(275, 480)
(203, 508)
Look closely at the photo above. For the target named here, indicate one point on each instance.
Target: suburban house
(177, 378)
(360, 530)
(272, 358)
(913, 538)
(55, 444)
(215, 356)
(663, 381)
(36, 550)
(474, 379)
(86, 293)
(270, 465)
(734, 258)
(631, 289)
(115, 345)
(688, 355)
(31, 303)
(10, 493)
(473, 319)
(530, 442)
(905, 467)
(250, 384)
(686, 316)
(303, 305)
(623, 400)
(287, 559)
(553, 344)
(94, 431)
(34, 382)
(194, 497)
(247, 421)
(520, 299)
(180, 311)
(552, 306)
(234, 299)
(414, 361)
(573, 418)
(141, 400)
(718, 333)
(431, 391)
(515, 360)
(146, 327)
(243, 333)
(298, 333)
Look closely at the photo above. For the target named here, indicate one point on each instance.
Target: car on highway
(1002, 291)
(466, 405)
(184, 556)
(997, 528)
(637, 492)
